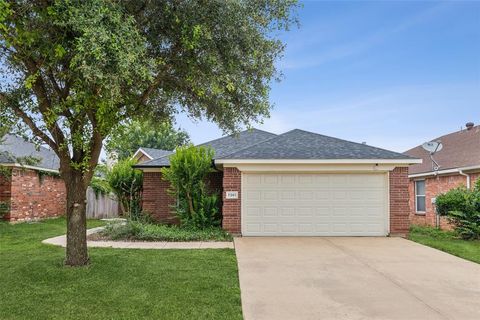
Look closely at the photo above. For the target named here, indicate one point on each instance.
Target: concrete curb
(61, 241)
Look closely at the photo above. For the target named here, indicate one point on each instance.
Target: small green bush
(4, 208)
(135, 230)
(189, 167)
(100, 186)
(462, 207)
(127, 182)
(458, 199)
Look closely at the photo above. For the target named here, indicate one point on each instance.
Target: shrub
(100, 186)
(4, 208)
(189, 167)
(126, 182)
(462, 207)
(135, 230)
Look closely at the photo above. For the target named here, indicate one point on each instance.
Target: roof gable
(300, 144)
(460, 149)
(13, 147)
(152, 153)
(221, 146)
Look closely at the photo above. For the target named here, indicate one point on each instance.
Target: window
(420, 196)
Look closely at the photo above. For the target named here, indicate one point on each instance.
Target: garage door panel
(314, 204)
(250, 195)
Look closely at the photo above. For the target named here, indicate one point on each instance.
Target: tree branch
(44, 102)
(95, 145)
(55, 85)
(31, 124)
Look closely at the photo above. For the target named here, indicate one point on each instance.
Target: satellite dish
(432, 146)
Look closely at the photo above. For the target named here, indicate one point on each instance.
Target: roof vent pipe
(469, 125)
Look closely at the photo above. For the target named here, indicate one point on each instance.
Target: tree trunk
(76, 254)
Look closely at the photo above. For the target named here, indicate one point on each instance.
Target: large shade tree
(136, 134)
(73, 70)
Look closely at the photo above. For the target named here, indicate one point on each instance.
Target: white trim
(446, 171)
(470, 168)
(18, 165)
(154, 169)
(387, 177)
(241, 201)
(416, 196)
(143, 151)
(312, 168)
(399, 162)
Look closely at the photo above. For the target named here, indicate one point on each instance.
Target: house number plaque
(231, 195)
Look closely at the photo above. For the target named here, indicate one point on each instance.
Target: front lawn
(446, 241)
(118, 284)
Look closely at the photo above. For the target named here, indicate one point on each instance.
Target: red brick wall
(157, 201)
(5, 188)
(215, 182)
(474, 177)
(232, 181)
(433, 187)
(399, 201)
(36, 197)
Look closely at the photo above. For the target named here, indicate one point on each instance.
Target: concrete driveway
(354, 278)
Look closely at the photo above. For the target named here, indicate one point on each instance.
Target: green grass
(446, 241)
(133, 230)
(118, 283)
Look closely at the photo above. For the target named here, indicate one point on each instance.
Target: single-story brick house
(459, 164)
(29, 192)
(298, 184)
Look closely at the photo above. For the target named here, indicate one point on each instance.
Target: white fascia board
(318, 168)
(154, 169)
(440, 172)
(142, 151)
(403, 162)
(18, 165)
(470, 168)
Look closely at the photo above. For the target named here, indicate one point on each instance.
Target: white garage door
(314, 204)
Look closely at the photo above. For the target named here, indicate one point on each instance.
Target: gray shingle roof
(295, 144)
(299, 144)
(460, 149)
(221, 146)
(12, 147)
(156, 153)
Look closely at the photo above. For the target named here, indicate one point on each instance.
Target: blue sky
(393, 74)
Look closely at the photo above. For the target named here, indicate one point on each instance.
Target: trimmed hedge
(134, 230)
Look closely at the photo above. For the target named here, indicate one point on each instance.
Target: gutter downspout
(465, 175)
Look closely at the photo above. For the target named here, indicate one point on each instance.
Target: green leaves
(127, 182)
(462, 207)
(5, 12)
(59, 51)
(30, 80)
(130, 136)
(189, 168)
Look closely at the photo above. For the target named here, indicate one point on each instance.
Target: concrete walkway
(354, 278)
(61, 241)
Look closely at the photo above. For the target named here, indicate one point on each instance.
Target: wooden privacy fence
(101, 206)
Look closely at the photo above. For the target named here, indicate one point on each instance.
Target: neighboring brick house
(29, 192)
(298, 184)
(459, 165)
